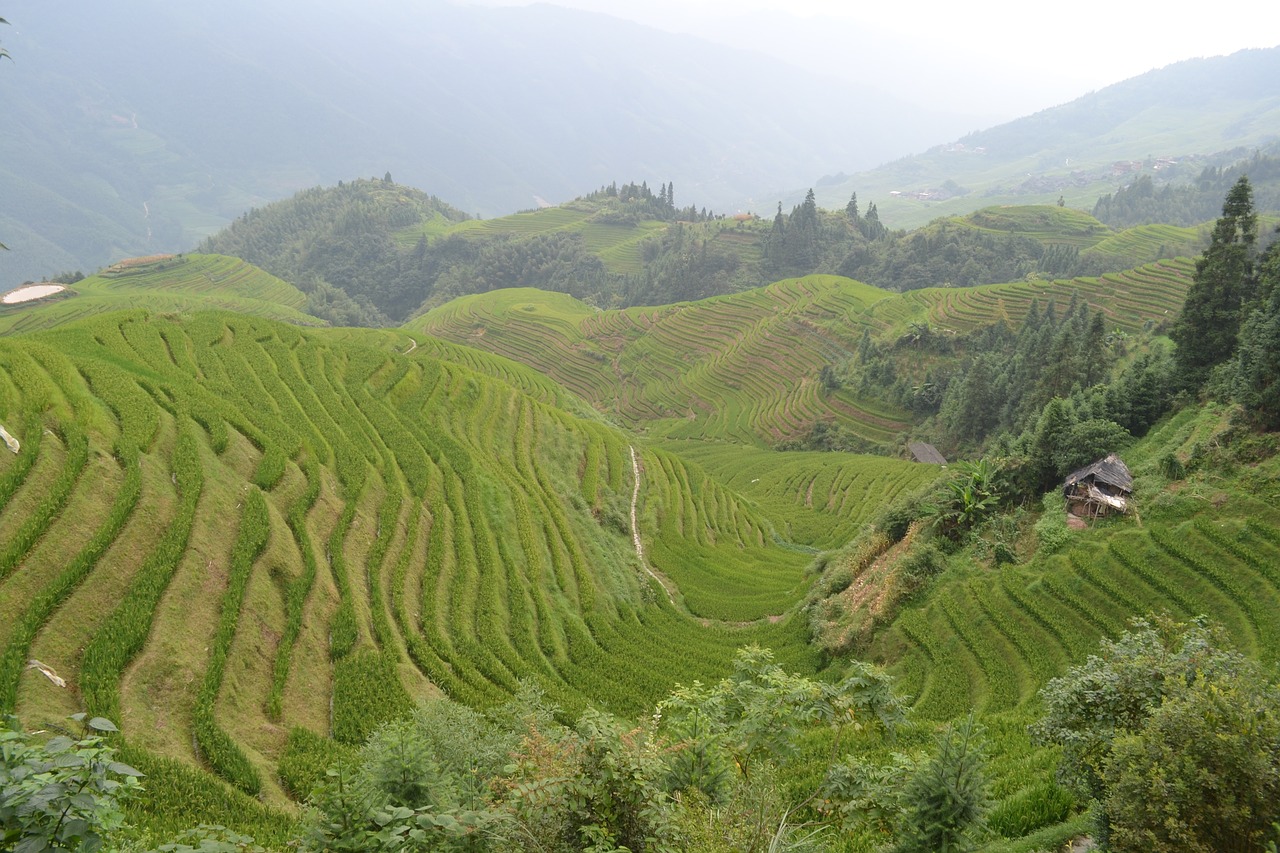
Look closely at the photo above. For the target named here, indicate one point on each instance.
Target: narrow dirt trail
(635, 526)
(413, 345)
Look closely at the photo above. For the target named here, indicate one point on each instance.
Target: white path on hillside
(635, 527)
(413, 347)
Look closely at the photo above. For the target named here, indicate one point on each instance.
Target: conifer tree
(1207, 329)
(1258, 369)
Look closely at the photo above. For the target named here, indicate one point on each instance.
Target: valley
(352, 520)
(232, 533)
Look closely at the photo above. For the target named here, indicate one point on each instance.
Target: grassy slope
(474, 534)
(175, 283)
(618, 245)
(983, 638)
(744, 367)
(380, 422)
(722, 368)
(988, 638)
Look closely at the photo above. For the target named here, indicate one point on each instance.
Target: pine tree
(1258, 368)
(852, 208)
(1209, 325)
(871, 227)
(947, 797)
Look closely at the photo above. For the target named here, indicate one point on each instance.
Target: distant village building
(1099, 489)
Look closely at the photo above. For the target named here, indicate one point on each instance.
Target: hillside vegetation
(436, 558)
(169, 283)
(372, 252)
(221, 527)
(1199, 114)
(748, 368)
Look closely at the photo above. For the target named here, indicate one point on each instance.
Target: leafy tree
(594, 788)
(1121, 716)
(1203, 772)
(62, 793)
(758, 713)
(1206, 331)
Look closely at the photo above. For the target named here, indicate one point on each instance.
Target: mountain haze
(1195, 113)
(146, 127)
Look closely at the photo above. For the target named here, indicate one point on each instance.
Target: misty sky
(991, 60)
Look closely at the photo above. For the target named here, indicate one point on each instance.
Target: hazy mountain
(145, 126)
(1169, 123)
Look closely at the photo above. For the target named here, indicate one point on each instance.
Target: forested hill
(193, 113)
(372, 252)
(1183, 196)
(342, 245)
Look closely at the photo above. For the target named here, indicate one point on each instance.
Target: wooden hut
(922, 452)
(1099, 489)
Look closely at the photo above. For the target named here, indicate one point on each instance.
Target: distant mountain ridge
(146, 127)
(1172, 121)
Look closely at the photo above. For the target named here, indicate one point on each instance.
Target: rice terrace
(626, 525)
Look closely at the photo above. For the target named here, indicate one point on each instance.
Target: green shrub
(60, 793)
(1171, 467)
(1051, 530)
(922, 563)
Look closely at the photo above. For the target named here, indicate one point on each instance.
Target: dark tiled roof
(926, 453)
(1111, 471)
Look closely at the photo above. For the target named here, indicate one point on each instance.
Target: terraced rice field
(617, 245)
(1045, 223)
(815, 500)
(991, 640)
(1151, 293)
(1155, 241)
(220, 527)
(742, 368)
(167, 283)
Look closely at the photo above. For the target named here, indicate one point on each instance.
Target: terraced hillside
(617, 244)
(989, 639)
(167, 283)
(219, 527)
(815, 499)
(745, 368)
(742, 368)
(1151, 293)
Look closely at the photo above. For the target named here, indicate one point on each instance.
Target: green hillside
(617, 244)
(168, 283)
(252, 543)
(746, 368)
(219, 525)
(1168, 124)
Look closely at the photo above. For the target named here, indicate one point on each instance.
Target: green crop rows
(742, 368)
(178, 283)
(368, 497)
